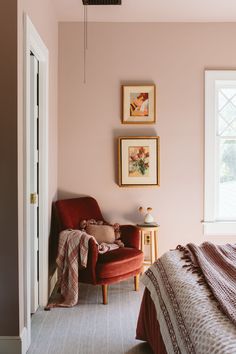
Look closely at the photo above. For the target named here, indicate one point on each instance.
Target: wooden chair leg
(104, 293)
(136, 282)
(142, 270)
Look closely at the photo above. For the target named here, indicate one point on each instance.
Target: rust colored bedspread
(148, 328)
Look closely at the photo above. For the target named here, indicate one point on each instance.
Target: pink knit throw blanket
(72, 255)
(217, 265)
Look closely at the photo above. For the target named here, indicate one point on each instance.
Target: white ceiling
(151, 11)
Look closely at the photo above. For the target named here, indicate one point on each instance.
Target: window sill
(219, 228)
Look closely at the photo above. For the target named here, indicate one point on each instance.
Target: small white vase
(148, 218)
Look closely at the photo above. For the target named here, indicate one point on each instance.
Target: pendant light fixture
(92, 2)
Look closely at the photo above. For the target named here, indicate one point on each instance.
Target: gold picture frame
(139, 104)
(139, 161)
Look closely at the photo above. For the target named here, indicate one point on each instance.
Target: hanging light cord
(85, 38)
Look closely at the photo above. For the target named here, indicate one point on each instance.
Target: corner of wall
(14, 344)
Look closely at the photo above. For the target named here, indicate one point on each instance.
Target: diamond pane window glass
(226, 111)
(226, 115)
(220, 153)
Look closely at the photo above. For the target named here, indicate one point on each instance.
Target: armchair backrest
(72, 211)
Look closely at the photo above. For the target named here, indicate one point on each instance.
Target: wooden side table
(151, 230)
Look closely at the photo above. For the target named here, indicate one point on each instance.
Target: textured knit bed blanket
(216, 265)
(190, 319)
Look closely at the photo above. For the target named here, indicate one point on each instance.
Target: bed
(179, 313)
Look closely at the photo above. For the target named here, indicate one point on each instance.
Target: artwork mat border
(157, 138)
(124, 119)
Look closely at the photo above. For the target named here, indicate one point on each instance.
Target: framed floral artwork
(138, 161)
(139, 104)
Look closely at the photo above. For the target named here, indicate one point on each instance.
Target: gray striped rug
(90, 327)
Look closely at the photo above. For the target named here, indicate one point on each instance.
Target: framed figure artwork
(138, 159)
(139, 104)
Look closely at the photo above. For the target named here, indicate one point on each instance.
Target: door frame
(33, 43)
(34, 168)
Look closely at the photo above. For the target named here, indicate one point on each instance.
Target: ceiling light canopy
(102, 2)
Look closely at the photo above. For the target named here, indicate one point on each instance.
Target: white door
(34, 178)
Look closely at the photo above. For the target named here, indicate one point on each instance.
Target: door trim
(34, 71)
(34, 43)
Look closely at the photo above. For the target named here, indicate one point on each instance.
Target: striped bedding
(190, 319)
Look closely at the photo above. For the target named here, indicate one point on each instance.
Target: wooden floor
(90, 327)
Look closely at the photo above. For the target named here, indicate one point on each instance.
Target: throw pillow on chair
(110, 267)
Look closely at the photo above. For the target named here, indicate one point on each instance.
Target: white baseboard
(24, 341)
(14, 344)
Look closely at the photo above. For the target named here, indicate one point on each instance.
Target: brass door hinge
(33, 198)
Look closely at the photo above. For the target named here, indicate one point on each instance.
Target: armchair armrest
(130, 236)
(88, 274)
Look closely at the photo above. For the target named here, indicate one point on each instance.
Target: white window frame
(213, 226)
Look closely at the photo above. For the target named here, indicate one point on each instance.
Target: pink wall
(173, 56)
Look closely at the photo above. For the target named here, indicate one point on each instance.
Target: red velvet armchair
(110, 267)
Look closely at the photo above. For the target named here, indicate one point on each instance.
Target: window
(220, 152)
